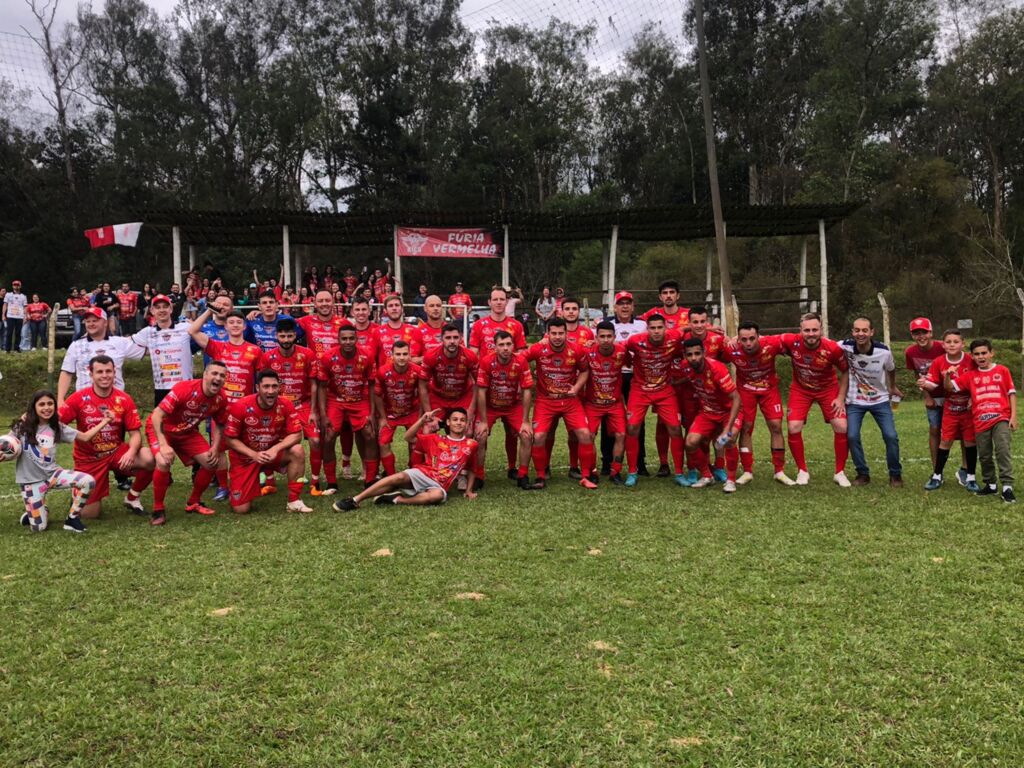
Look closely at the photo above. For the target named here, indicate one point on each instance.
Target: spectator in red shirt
(37, 311)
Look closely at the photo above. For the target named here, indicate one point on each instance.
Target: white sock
(992, 486)
(970, 478)
(1006, 488)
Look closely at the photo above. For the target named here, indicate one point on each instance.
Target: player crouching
(427, 482)
(264, 434)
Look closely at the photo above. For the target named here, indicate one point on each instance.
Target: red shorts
(512, 418)
(547, 411)
(801, 400)
(689, 405)
(387, 432)
(354, 414)
(436, 401)
(769, 401)
(244, 476)
(663, 401)
(309, 430)
(957, 425)
(100, 471)
(710, 426)
(613, 416)
(186, 445)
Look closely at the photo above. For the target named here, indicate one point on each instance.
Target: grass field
(662, 626)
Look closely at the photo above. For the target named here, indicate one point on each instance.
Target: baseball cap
(623, 296)
(252, 285)
(15, 282)
(96, 312)
(161, 298)
(920, 324)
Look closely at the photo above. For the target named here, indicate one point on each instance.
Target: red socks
(389, 463)
(540, 460)
(732, 459)
(222, 478)
(347, 439)
(294, 491)
(370, 467)
(203, 479)
(315, 461)
(142, 480)
(161, 481)
(842, 448)
(574, 452)
(331, 472)
(616, 465)
(511, 448)
(587, 458)
(746, 459)
(796, 447)
(661, 440)
(779, 459)
(524, 470)
(632, 452)
(677, 454)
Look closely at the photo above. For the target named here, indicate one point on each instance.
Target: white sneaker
(730, 486)
(134, 506)
(842, 480)
(745, 478)
(346, 472)
(703, 482)
(803, 477)
(785, 479)
(298, 506)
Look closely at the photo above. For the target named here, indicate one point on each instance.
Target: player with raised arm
(427, 482)
(394, 329)
(264, 435)
(504, 393)
(396, 401)
(753, 356)
(815, 361)
(957, 420)
(719, 415)
(602, 398)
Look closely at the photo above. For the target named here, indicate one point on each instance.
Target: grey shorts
(422, 482)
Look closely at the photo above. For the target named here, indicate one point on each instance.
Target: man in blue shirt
(261, 328)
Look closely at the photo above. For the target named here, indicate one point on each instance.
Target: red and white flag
(114, 234)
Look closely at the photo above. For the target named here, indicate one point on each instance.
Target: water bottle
(722, 440)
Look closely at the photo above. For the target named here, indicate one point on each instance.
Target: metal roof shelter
(261, 226)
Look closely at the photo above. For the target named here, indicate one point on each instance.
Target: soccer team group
(270, 381)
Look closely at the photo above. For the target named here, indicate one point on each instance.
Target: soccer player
(676, 318)
(449, 375)
(296, 368)
(481, 338)
(602, 399)
(957, 421)
(562, 373)
(96, 341)
(994, 406)
(170, 348)
(264, 434)
(459, 303)
(815, 361)
(322, 326)
(919, 357)
(222, 306)
(173, 430)
(626, 324)
(714, 349)
(719, 414)
(431, 329)
(261, 329)
(367, 332)
(753, 356)
(872, 384)
(427, 482)
(345, 373)
(504, 387)
(108, 449)
(395, 399)
(653, 354)
(394, 329)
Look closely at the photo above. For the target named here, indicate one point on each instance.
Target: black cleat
(617, 479)
(478, 484)
(513, 474)
(605, 471)
(575, 474)
(524, 484)
(988, 490)
(540, 484)
(346, 504)
(663, 471)
(387, 498)
(124, 484)
(1008, 496)
(642, 472)
(74, 524)
(25, 518)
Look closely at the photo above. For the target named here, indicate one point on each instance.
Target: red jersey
(388, 336)
(321, 334)
(129, 301)
(430, 337)
(381, 289)
(37, 310)
(77, 305)
(482, 335)
(398, 389)
(605, 384)
(920, 361)
(990, 392)
(296, 372)
(459, 300)
(450, 378)
(674, 322)
(368, 338)
(260, 428)
(504, 382)
(445, 456)
(756, 372)
(557, 370)
(652, 363)
(87, 409)
(347, 378)
(956, 402)
(814, 369)
(186, 406)
(580, 336)
(351, 282)
(713, 387)
(242, 361)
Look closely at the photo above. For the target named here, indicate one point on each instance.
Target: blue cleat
(221, 494)
(971, 486)
(719, 474)
(683, 481)
(692, 476)
(933, 484)
(630, 480)
(961, 477)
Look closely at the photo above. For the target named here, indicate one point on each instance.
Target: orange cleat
(199, 509)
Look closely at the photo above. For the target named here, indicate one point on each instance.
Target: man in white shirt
(872, 384)
(96, 341)
(13, 314)
(170, 348)
(626, 324)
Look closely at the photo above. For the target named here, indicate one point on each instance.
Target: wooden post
(51, 344)
(823, 276)
(886, 338)
(504, 261)
(613, 249)
(1020, 295)
(286, 254)
(803, 275)
(604, 274)
(176, 262)
(724, 301)
(300, 263)
(710, 255)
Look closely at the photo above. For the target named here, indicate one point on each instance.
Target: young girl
(36, 471)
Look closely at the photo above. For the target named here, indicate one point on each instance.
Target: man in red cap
(96, 341)
(13, 315)
(919, 357)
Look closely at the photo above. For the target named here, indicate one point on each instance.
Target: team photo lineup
(282, 387)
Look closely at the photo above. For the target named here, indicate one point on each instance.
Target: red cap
(623, 296)
(161, 298)
(920, 324)
(95, 312)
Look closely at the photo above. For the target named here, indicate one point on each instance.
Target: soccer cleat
(803, 477)
(961, 476)
(124, 484)
(693, 476)
(683, 481)
(134, 506)
(547, 474)
(540, 484)
(703, 482)
(719, 474)
(616, 478)
(346, 472)
(524, 484)
(587, 483)
(782, 477)
(330, 490)
(933, 484)
(157, 517)
(663, 471)
(478, 484)
(346, 504)
(575, 474)
(988, 490)
(199, 509)
(972, 486)
(298, 506)
(745, 478)
(38, 524)
(642, 472)
(268, 490)
(222, 494)
(1008, 496)
(74, 524)
(729, 487)
(631, 480)
(895, 481)
(841, 479)
(513, 473)
(25, 518)
(386, 499)
(861, 479)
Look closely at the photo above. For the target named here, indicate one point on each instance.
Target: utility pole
(729, 315)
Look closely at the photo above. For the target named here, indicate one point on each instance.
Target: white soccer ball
(10, 447)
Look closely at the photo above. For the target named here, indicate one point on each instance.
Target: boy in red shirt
(919, 357)
(395, 399)
(957, 422)
(504, 393)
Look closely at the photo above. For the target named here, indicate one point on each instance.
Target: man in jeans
(872, 384)
(13, 314)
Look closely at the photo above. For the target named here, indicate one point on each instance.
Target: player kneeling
(264, 434)
(427, 482)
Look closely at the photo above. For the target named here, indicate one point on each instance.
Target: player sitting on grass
(427, 482)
